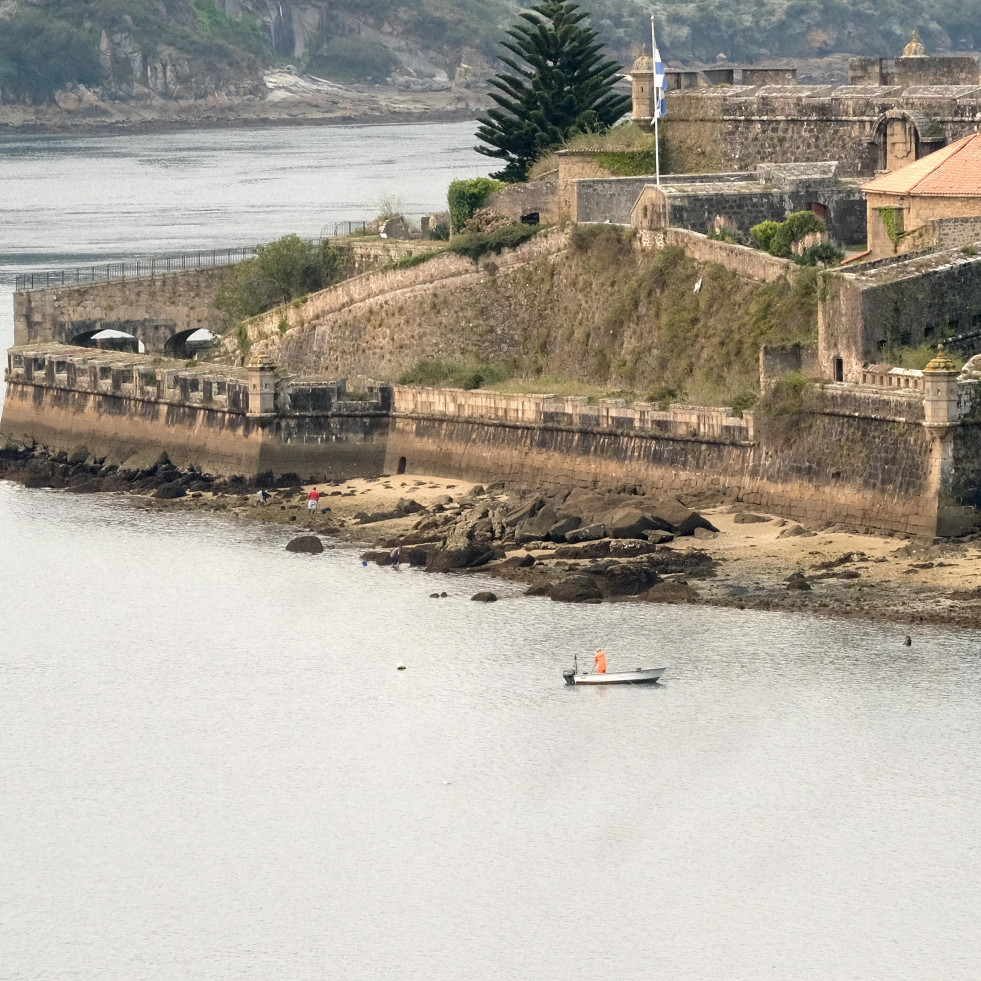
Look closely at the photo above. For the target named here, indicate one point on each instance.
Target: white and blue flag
(660, 105)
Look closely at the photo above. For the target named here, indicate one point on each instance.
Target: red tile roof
(953, 171)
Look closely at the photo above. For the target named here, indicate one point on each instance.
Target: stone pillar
(262, 386)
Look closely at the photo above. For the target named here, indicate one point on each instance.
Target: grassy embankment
(611, 320)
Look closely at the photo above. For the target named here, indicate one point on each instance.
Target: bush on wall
(465, 197)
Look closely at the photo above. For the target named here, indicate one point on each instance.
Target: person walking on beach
(312, 498)
(599, 659)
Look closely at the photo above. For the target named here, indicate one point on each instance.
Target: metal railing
(132, 269)
(339, 229)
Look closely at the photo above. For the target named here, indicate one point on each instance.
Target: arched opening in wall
(401, 467)
(839, 369)
(190, 344)
(901, 137)
(819, 210)
(532, 218)
(109, 339)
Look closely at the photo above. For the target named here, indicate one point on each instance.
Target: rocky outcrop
(305, 544)
(523, 537)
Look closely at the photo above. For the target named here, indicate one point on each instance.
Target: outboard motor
(570, 676)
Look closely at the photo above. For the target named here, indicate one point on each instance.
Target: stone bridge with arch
(155, 315)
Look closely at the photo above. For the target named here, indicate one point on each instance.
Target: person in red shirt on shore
(599, 659)
(312, 498)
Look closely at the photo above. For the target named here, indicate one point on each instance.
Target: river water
(210, 767)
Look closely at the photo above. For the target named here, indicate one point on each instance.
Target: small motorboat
(639, 676)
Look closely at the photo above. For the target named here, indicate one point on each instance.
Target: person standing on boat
(599, 659)
(312, 498)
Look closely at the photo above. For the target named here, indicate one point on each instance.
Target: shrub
(486, 222)
(799, 224)
(280, 272)
(605, 241)
(476, 245)
(465, 197)
(824, 253)
(761, 235)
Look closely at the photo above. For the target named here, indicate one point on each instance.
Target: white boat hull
(642, 676)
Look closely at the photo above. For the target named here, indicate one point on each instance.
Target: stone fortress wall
(890, 113)
(219, 419)
(866, 458)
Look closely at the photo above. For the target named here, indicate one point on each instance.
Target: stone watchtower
(262, 386)
(941, 419)
(642, 90)
(940, 391)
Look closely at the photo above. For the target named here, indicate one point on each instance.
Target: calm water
(210, 768)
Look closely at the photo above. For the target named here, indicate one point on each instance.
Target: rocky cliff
(214, 61)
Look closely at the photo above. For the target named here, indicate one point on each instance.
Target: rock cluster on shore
(81, 472)
(568, 544)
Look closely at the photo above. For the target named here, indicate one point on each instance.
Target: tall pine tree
(558, 83)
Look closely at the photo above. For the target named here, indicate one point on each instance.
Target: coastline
(834, 573)
(384, 109)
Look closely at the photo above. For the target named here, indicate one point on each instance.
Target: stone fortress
(887, 450)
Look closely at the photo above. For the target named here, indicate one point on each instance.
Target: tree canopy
(558, 83)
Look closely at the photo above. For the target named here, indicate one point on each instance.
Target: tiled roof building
(934, 201)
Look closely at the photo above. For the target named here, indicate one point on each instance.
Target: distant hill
(138, 49)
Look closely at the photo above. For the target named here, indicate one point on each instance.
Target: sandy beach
(837, 573)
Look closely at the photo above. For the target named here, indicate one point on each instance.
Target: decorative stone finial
(644, 63)
(940, 362)
(262, 361)
(914, 49)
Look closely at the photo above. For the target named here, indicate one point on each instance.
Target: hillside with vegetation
(584, 312)
(124, 49)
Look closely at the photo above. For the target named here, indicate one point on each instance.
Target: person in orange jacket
(599, 659)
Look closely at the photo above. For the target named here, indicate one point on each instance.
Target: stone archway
(188, 343)
(900, 137)
(107, 339)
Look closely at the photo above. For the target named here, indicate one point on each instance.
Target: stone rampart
(952, 233)
(158, 310)
(387, 286)
(124, 407)
(874, 471)
(743, 261)
(865, 456)
(690, 421)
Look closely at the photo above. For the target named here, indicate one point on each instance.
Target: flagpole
(657, 106)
